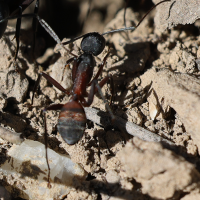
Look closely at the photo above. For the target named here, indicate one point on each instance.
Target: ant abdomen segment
(72, 121)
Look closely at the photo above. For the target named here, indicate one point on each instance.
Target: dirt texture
(151, 150)
(181, 12)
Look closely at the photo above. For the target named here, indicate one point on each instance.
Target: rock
(27, 171)
(162, 173)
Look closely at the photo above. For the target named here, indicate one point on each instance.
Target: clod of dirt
(192, 196)
(13, 82)
(3, 101)
(135, 51)
(62, 73)
(176, 12)
(150, 100)
(10, 136)
(181, 58)
(162, 173)
(167, 85)
(14, 85)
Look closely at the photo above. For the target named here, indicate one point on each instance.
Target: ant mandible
(72, 117)
(11, 9)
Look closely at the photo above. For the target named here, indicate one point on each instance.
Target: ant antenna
(88, 12)
(118, 30)
(56, 38)
(126, 5)
(170, 9)
(134, 27)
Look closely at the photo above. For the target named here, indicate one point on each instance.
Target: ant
(11, 9)
(72, 117)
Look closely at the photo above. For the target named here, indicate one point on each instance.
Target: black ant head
(93, 43)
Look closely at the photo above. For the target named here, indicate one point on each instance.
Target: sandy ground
(156, 86)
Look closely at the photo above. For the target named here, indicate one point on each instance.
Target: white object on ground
(27, 171)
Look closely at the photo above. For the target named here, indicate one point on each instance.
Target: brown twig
(103, 119)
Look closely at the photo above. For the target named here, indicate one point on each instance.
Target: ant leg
(93, 91)
(100, 69)
(51, 107)
(44, 24)
(103, 82)
(112, 89)
(51, 80)
(98, 87)
(90, 96)
(46, 154)
(18, 26)
(74, 69)
(34, 27)
(105, 79)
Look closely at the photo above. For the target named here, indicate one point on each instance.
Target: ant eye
(93, 43)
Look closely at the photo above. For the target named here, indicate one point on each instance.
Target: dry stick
(10, 136)
(103, 118)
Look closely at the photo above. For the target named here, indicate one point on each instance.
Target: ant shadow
(135, 58)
